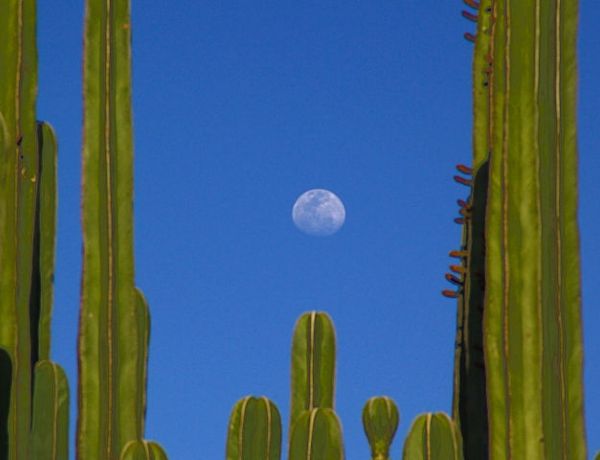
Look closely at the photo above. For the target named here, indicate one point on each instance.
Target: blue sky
(241, 106)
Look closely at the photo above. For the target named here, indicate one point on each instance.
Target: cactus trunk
(112, 348)
(524, 118)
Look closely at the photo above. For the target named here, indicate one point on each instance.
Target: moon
(318, 212)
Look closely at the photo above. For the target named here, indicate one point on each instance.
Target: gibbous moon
(319, 212)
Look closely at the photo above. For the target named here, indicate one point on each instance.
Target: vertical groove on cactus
(313, 364)
(254, 430)
(110, 349)
(532, 318)
(50, 426)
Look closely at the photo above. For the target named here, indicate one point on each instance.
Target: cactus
(313, 364)
(50, 426)
(254, 430)
(114, 320)
(433, 437)
(380, 421)
(316, 435)
(255, 426)
(142, 450)
(524, 126)
(27, 238)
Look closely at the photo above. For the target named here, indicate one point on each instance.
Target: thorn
(466, 212)
(464, 169)
(472, 3)
(459, 220)
(469, 16)
(470, 37)
(462, 203)
(463, 181)
(453, 279)
(458, 254)
(458, 269)
(19, 140)
(450, 293)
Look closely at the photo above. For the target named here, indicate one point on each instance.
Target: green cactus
(313, 364)
(27, 238)
(317, 435)
(254, 430)
(524, 117)
(142, 450)
(380, 421)
(433, 437)
(114, 321)
(312, 387)
(50, 426)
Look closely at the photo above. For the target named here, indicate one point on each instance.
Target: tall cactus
(524, 117)
(27, 233)
(114, 321)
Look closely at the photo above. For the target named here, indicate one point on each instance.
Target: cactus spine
(524, 116)
(114, 321)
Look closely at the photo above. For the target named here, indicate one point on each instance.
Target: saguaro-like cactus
(433, 437)
(114, 321)
(524, 116)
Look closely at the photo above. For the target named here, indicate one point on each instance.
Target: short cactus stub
(254, 430)
(380, 421)
(433, 437)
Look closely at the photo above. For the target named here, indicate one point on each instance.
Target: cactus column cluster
(114, 324)
(33, 390)
(520, 346)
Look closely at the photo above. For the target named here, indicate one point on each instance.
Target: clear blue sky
(241, 106)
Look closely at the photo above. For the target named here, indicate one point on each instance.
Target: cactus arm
(142, 450)
(143, 318)
(532, 320)
(317, 434)
(254, 430)
(380, 422)
(313, 364)
(433, 437)
(108, 338)
(50, 427)
(46, 231)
